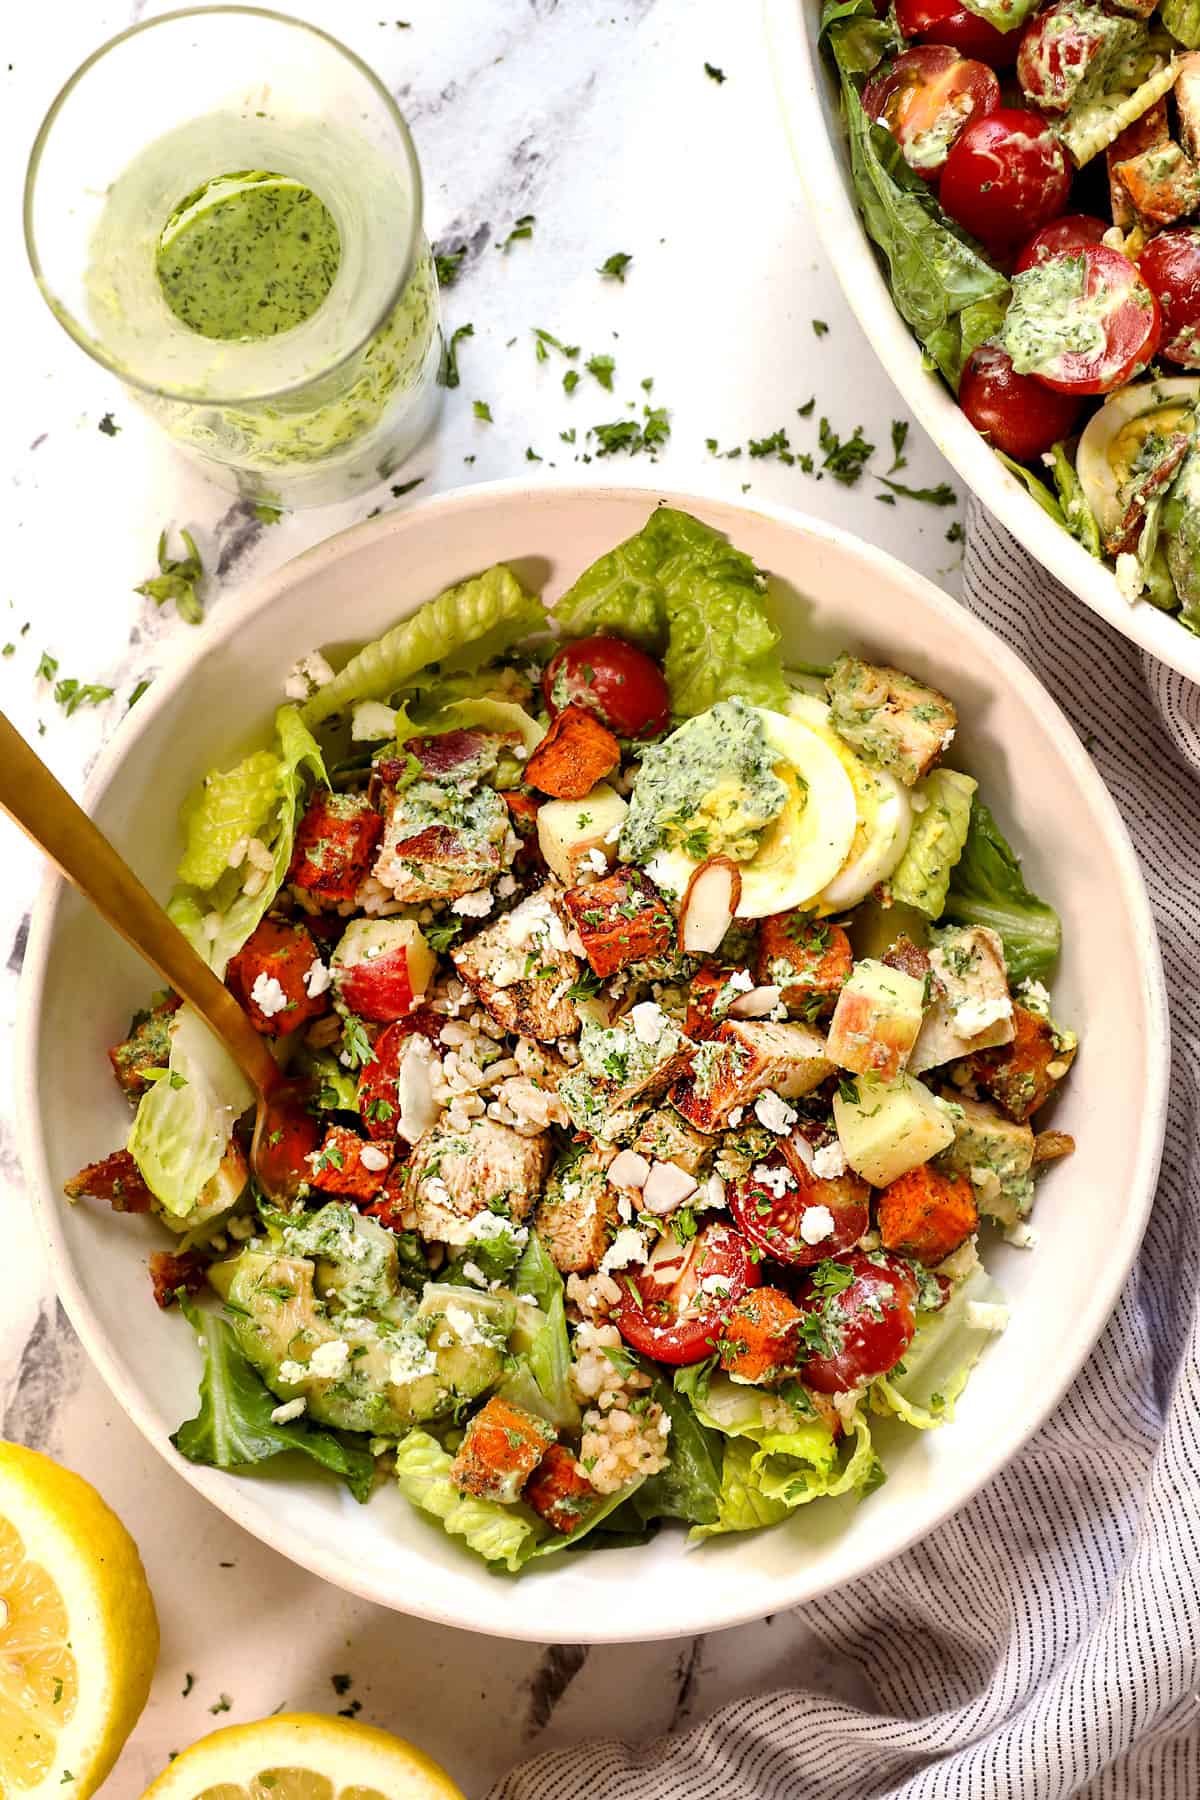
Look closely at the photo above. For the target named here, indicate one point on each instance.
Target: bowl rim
(216, 1485)
(800, 80)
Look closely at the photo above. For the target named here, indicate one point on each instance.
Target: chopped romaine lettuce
(1036, 487)
(234, 1429)
(922, 876)
(987, 888)
(229, 805)
(462, 629)
(1182, 20)
(183, 1124)
(741, 1503)
(689, 1487)
(683, 591)
(549, 1353)
(500, 1534)
(938, 1362)
(1077, 514)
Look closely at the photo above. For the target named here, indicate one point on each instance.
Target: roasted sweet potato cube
(576, 753)
(170, 1271)
(758, 1342)
(926, 1214)
(334, 846)
(502, 1447)
(704, 990)
(1022, 1075)
(1163, 183)
(807, 959)
(347, 1165)
(272, 973)
(1145, 133)
(116, 1179)
(620, 919)
(148, 1046)
(559, 1492)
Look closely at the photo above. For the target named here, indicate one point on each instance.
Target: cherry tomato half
(378, 1095)
(867, 1327)
(1014, 412)
(1058, 47)
(1071, 232)
(946, 22)
(771, 1203)
(1170, 264)
(684, 1293)
(925, 97)
(623, 686)
(1005, 177)
(1109, 298)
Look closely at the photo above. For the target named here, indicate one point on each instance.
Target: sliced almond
(667, 1187)
(709, 903)
(759, 1003)
(628, 1169)
(414, 1090)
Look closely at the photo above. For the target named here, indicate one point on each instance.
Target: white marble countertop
(596, 116)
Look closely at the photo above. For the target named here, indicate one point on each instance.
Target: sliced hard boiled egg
(806, 845)
(884, 814)
(1113, 437)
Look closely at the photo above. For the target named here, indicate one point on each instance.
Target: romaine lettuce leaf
(690, 1485)
(228, 805)
(183, 1124)
(938, 1363)
(500, 1534)
(1035, 487)
(1077, 514)
(598, 1515)
(683, 591)
(741, 1503)
(987, 888)
(939, 831)
(1182, 20)
(461, 629)
(549, 1354)
(233, 1428)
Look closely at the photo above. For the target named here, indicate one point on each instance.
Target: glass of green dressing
(223, 206)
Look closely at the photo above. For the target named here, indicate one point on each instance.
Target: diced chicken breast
(577, 1215)
(971, 1007)
(456, 1173)
(521, 970)
(743, 1060)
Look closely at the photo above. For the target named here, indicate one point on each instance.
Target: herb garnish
(715, 74)
(447, 264)
(71, 695)
(955, 534)
(108, 426)
(176, 579)
(448, 373)
(820, 328)
(628, 435)
(546, 341)
(844, 458)
(899, 439)
(483, 411)
(522, 229)
(47, 667)
(602, 368)
(613, 267)
(406, 487)
(941, 495)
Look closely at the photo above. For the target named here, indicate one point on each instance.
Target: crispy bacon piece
(558, 1492)
(908, 957)
(337, 838)
(620, 919)
(807, 959)
(116, 1179)
(576, 753)
(279, 951)
(463, 757)
(170, 1271)
(338, 1167)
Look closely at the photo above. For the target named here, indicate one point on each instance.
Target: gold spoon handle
(35, 801)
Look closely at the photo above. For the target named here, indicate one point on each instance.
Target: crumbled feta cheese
(629, 1246)
(649, 1021)
(306, 676)
(464, 1325)
(474, 1273)
(473, 906)
(612, 835)
(291, 1409)
(411, 1358)
(736, 1115)
(816, 1224)
(373, 1158)
(489, 1227)
(712, 1195)
(372, 721)
(1022, 1235)
(1035, 997)
(506, 886)
(959, 1264)
(625, 1209)
(947, 738)
(240, 1229)
(742, 981)
(973, 1016)
(329, 1360)
(771, 1110)
(268, 995)
(986, 1315)
(292, 1373)
(777, 1181)
(595, 862)
(1129, 576)
(628, 1169)
(829, 1162)
(717, 1285)
(317, 979)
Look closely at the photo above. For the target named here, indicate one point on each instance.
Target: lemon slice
(78, 1633)
(302, 1756)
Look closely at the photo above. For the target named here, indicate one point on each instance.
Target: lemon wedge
(302, 1756)
(78, 1632)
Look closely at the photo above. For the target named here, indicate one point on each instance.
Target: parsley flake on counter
(341, 1684)
(941, 495)
(406, 487)
(189, 1682)
(899, 439)
(715, 74)
(886, 499)
(447, 264)
(805, 411)
(956, 534)
(267, 512)
(568, 437)
(846, 458)
(482, 411)
(546, 341)
(47, 667)
(602, 368)
(531, 454)
(71, 695)
(522, 229)
(710, 444)
(8, 650)
(448, 373)
(775, 445)
(176, 579)
(613, 267)
(108, 426)
(571, 381)
(222, 1704)
(820, 328)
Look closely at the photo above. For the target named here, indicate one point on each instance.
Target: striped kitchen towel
(1069, 1661)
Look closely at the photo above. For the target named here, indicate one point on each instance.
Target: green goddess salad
(673, 1024)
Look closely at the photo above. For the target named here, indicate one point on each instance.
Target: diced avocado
(996, 1154)
(891, 1129)
(355, 1257)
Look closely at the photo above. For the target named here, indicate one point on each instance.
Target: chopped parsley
(844, 458)
(342, 1683)
(775, 445)
(448, 373)
(401, 488)
(941, 495)
(267, 512)
(715, 74)
(222, 1704)
(531, 454)
(189, 1682)
(522, 229)
(483, 411)
(47, 667)
(442, 932)
(848, 1090)
(447, 264)
(899, 439)
(108, 426)
(955, 534)
(356, 1045)
(820, 328)
(613, 267)
(630, 436)
(545, 341)
(831, 1277)
(805, 411)
(176, 579)
(602, 368)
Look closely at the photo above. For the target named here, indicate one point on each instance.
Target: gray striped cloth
(1046, 1641)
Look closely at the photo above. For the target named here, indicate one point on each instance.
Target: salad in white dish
(673, 1021)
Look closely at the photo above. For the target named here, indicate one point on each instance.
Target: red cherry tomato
(684, 1293)
(1014, 412)
(1072, 232)
(1112, 300)
(1170, 264)
(378, 1095)
(946, 22)
(1006, 176)
(618, 682)
(1058, 47)
(925, 97)
(774, 1220)
(867, 1327)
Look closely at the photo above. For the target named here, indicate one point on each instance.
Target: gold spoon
(283, 1129)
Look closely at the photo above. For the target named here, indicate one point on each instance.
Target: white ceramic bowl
(808, 94)
(828, 591)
